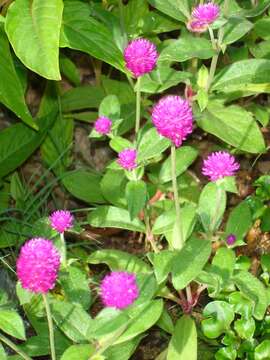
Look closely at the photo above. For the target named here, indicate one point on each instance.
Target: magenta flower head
(219, 164)
(140, 56)
(103, 125)
(127, 159)
(231, 239)
(173, 119)
(206, 13)
(119, 289)
(38, 265)
(61, 220)
(197, 26)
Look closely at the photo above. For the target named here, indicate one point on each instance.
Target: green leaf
(241, 305)
(219, 316)
(226, 353)
(33, 28)
(111, 216)
(165, 322)
(11, 89)
(252, 71)
(187, 48)
(151, 145)
(123, 351)
(18, 142)
(223, 264)
(185, 156)
(118, 143)
(12, 324)
(72, 352)
(183, 344)
(172, 8)
(76, 286)
(136, 195)
(235, 28)
(113, 186)
(162, 263)
(243, 134)
(110, 107)
(262, 351)
(189, 262)
(3, 355)
(254, 290)
(119, 260)
(261, 28)
(72, 319)
(69, 69)
(82, 32)
(236, 227)
(84, 185)
(212, 204)
(245, 328)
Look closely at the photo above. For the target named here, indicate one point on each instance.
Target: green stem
(176, 199)
(14, 347)
(50, 324)
(64, 249)
(215, 217)
(149, 234)
(212, 71)
(138, 105)
(121, 11)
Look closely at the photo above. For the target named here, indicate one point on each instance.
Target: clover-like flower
(231, 239)
(38, 265)
(173, 119)
(103, 125)
(61, 220)
(127, 159)
(119, 289)
(219, 164)
(140, 56)
(206, 13)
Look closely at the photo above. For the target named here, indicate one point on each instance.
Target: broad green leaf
(111, 216)
(189, 262)
(3, 355)
(261, 28)
(118, 143)
(261, 50)
(110, 107)
(223, 264)
(212, 280)
(251, 71)
(254, 290)
(241, 304)
(138, 7)
(185, 156)
(177, 9)
(187, 48)
(136, 195)
(151, 145)
(254, 11)
(82, 97)
(12, 324)
(33, 29)
(162, 263)
(165, 322)
(183, 344)
(219, 315)
(69, 69)
(113, 186)
(245, 328)
(11, 89)
(243, 134)
(236, 227)
(235, 28)
(82, 32)
(156, 22)
(212, 204)
(84, 185)
(72, 319)
(226, 353)
(72, 352)
(18, 142)
(76, 286)
(123, 351)
(262, 351)
(119, 260)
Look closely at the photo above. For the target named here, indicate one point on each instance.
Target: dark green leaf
(136, 195)
(177, 9)
(236, 227)
(12, 324)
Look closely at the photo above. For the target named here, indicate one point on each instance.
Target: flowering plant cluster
(153, 129)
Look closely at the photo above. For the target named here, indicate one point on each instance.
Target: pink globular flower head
(61, 220)
(140, 56)
(219, 164)
(103, 125)
(119, 289)
(127, 159)
(173, 119)
(38, 265)
(206, 13)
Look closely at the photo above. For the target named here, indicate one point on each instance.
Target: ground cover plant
(134, 179)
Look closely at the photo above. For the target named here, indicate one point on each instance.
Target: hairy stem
(14, 347)
(64, 249)
(50, 324)
(138, 105)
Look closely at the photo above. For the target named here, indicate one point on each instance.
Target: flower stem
(138, 105)
(217, 209)
(64, 249)
(176, 200)
(50, 324)
(212, 71)
(14, 347)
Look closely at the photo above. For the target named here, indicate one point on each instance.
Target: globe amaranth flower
(38, 265)
(197, 26)
(119, 289)
(140, 56)
(219, 164)
(206, 13)
(103, 125)
(127, 159)
(61, 220)
(230, 240)
(173, 119)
